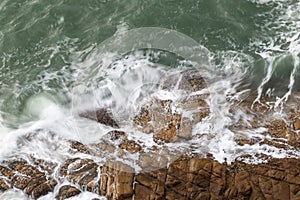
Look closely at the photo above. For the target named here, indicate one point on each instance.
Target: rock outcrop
(166, 118)
(186, 177)
(123, 166)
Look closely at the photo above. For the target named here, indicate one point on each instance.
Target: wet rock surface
(164, 117)
(21, 175)
(186, 177)
(67, 191)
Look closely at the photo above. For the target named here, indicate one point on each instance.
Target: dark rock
(102, 115)
(67, 191)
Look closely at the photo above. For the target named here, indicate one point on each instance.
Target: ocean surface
(61, 57)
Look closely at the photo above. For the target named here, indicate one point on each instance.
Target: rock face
(187, 177)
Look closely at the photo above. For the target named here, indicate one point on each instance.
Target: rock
(164, 117)
(186, 177)
(155, 188)
(46, 166)
(114, 135)
(117, 180)
(4, 185)
(121, 167)
(67, 191)
(185, 129)
(189, 81)
(26, 177)
(166, 124)
(142, 120)
(199, 178)
(192, 80)
(83, 172)
(296, 125)
(102, 116)
(79, 147)
(131, 146)
(166, 134)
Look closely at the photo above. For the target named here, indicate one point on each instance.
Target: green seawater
(42, 41)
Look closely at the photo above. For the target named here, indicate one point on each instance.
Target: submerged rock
(102, 116)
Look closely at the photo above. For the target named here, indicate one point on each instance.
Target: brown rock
(152, 161)
(296, 125)
(142, 119)
(156, 186)
(192, 80)
(5, 171)
(189, 80)
(159, 116)
(103, 180)
(26, 177)
(83, 172)
(67, 191)
(142, 193)
(46, 166)
(185, 178)
(168, 135)
(294, 192)
(278, 128)
(200, 172)
(78, 146)
(4, 185)
(43, 189)
(117, 180)
(131, 146)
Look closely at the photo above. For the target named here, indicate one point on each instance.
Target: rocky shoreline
(128, 167)
(188, 177)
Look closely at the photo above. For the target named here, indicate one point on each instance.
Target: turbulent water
(60, 57)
